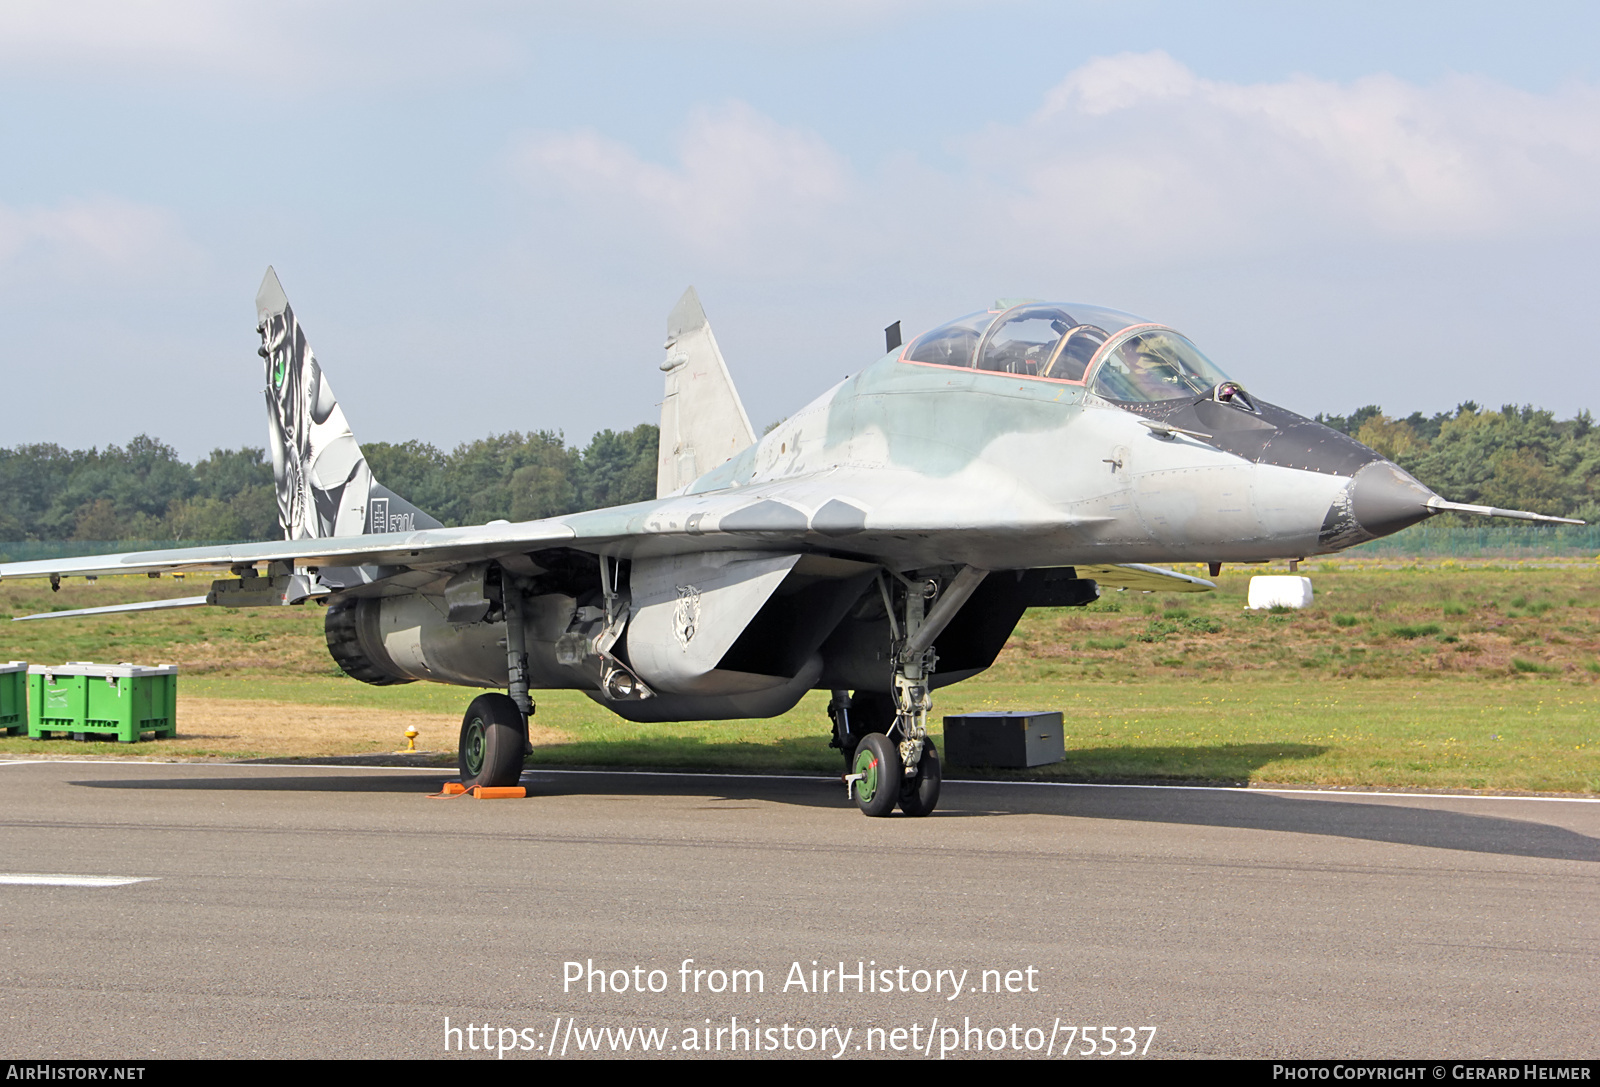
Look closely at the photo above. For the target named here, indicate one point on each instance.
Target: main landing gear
(889, 759)
(494, 732)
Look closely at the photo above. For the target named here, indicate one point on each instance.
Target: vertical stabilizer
(703, 423)
(324, 486)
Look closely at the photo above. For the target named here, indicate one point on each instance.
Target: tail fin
(702, 421)
(324, 486)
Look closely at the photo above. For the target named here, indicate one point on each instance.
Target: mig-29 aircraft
(880, 543)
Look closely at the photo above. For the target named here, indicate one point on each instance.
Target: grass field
(1444, 676)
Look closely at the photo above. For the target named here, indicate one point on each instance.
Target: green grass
(1421, 630)
(1511, 735)
(1473, 697)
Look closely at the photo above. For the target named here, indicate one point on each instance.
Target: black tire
(491, 747)
(919, 795)
(878, 759)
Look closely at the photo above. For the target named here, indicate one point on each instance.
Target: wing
(821, 513)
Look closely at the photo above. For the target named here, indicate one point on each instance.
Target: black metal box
(1013, 740)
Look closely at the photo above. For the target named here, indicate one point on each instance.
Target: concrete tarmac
(336, 911)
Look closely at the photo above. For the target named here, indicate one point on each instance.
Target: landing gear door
(690, 609)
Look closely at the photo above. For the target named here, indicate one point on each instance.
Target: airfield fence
(1416, 542)
(1484, 542)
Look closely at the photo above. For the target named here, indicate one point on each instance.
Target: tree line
(1517, 458)
(145, 491)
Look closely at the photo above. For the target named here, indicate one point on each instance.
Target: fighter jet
(880, 543)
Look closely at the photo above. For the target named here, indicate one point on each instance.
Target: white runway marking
(29, 879)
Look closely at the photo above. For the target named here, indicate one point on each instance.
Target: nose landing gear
(878, 778)
(882, 772)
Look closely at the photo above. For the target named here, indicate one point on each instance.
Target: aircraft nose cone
(1385, 498)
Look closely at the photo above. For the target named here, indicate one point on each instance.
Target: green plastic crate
(85, 700)
(13, 698)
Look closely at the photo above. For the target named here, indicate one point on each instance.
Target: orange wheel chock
(480, 792)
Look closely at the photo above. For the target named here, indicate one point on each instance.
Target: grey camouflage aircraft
(880, 543)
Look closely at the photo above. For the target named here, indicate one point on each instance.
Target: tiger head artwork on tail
(324, 485)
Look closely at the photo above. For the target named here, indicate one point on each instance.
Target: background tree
(1516, 457)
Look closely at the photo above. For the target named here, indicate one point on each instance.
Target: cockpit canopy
(1119, 356)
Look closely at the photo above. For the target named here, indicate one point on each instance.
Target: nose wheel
(876, 775)
(878, 779)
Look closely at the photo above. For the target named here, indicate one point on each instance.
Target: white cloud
(1141, 144)
(290, 46)
(1108, 84)
(159, 29)
(742, 186)
(286, 46)
(763, 21)
(1129, 160)
(89, 239)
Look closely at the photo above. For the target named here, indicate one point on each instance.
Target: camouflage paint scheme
(882, 540)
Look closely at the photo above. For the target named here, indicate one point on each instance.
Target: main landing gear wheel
(878, 763)
(919, 794)
(491, 748)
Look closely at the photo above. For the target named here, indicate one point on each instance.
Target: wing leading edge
(440, 547)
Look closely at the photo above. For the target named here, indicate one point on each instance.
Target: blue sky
(483, 212)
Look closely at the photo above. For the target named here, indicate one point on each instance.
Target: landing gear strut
(494, 732)
(899, 765)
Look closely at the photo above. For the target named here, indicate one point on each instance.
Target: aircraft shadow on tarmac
(1219, 764)
(1394, 822)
